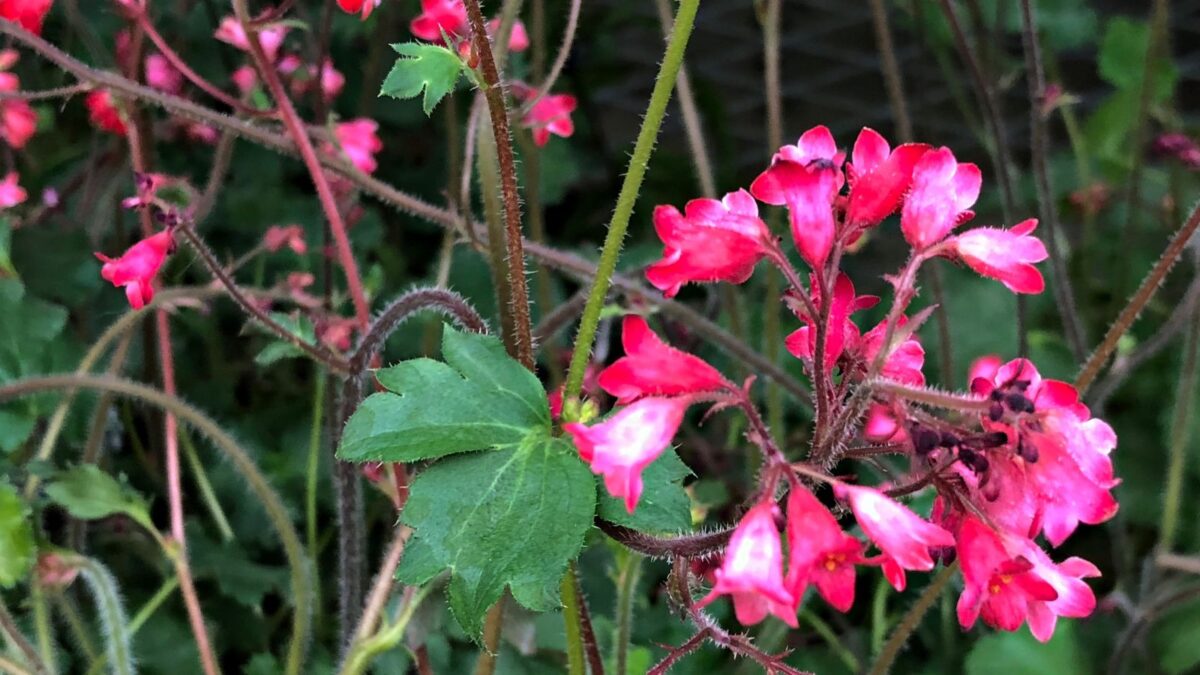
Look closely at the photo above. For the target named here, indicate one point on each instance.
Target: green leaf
(16, 537)
(422, 67)
(6, 266)
(513, 518)
(1175, 639)
(664, 506)
(1020, 654)
(480, 398)
(88, 493)
(278, 350)
(1122, 60)
(15, 427)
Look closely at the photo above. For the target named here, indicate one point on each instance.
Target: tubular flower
(842, 334)
(751, 571)
(30, 14)
(820, 552)
(161, 75)
(710, 241)
(292, 236)
(137, 267)
(942, 192)
(18, 121)
(879, 177)
(364, 7)
(905, 362)
(359, 140)
(806, 178)
(270, 38)
(438, 16)
(11, 192)
(651, 367)
(620, 447)
(904, 537)
(1005, 255)
(103, 112)
(550, 115)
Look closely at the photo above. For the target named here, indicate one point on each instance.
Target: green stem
(143, 615)
(772, 324)
(207, 495)
(643, 148)
(629, 569)
(311, 474)
(387, 638)
(1180, 437)
(571, 608)
(41, 626)
(112, 614)
(911, 620)
(823, 629)
(66, 608)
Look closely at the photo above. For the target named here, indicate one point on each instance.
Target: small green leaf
(479, 398)
(1122, 59)
(88, 493)
(15, 427)
(664, 506)
(278, 350)
(513, 518)
(6, 266)
(16, 537)
(422, 67)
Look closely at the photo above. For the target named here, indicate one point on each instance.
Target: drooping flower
(1179, 146)
(819, 551)
(751, 571)
(943, 190)
(270, 38)
(1005, 255)
(652, 367)
(842, 333)
(518, 39)
(30, 14)
(806, 178)
(11, 192)
(550, 115)
(438, 16)
(620, 447)
(365, 7)
(359, 140)
(161, 75)
(710, 241)
(292, 236)
(137, 267)
(906, 359)
(18, 121)
(103, 112)
(904, 537)
(882, 425)
(245, 79)
(337, 331)
(880, 176)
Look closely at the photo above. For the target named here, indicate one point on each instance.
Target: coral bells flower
(620, 447)
(904, 537)
(365, 7)
(136, 269)
(270, 38)
(820, 552)
(651, 367)
(103, 112)
(550, 115)
(842, 333)
(360, 142)
(18, 121)
(163, 76)
(11, 193)
(879, 177)
(752, 571)
(292, 236)
(906, 359)
(438, 16)
(710, 241)
(939, 200)
(28, 13)
(806, 177)
(1005, 255)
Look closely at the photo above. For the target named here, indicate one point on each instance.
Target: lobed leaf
(422, 67)
(16, 537)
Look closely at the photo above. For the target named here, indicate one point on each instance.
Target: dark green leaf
(664, 506)
(277, 350)
(479, 398)
(1122, 59)
(1176, 639)
(16, 537)
(422, 67)
(513, 518)
(15, 427)
(88, 493)
(1020, 654)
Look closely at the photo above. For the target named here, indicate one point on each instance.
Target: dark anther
(1027, 451)
(996, 395)
(973, 460)
(925, 440)
(996, 412)
(1018, 403)
(993, 439)
(949, 440)
(1020, 385)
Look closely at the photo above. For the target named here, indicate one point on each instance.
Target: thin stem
(9, 626)
(111, 612)
(208, 496)
(1156, 46)
(591, 647)
(384, 580)
(57, 92)
(564, 52)
(1179, 439)
(932, 397)
(571, 611)
(312, 472)
(912, 619)
(41, 626)
(689, 546)
(1036, 77)
(773, 88)
(493, 624)
(629, 568)
(13, 668)
(890, 66)
(677, 653)
(643, 148)
(388, 638)
(1138, 302)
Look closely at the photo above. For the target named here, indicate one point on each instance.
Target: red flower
(292, 236)
(651, 367)
(550, 115)
(163, 76)
(103, 112)
(711, 241)
(1004, 588)
(1005, 255)
(11, 193)
(904, 537)
(18, 121)
(29, 13)
(752, 571)
(365, 7)
(905, 361)
(360, 142)
(879, 177)
(518, 39)
(270, 38)
(136, 269)
(437, 16)
(806, 177)
(942, 192)
(820, 552)
(620, 447)
(843, 334)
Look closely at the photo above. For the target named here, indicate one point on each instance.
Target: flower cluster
(1023, 457)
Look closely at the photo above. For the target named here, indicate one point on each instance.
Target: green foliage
(27, 331)
(513, 517)
(479, 398)
(664, 506)
(1020, 654)
(277, 350)
(16, 537)
(422, 67)
(1122, 60)
(1175, 638)
(88, 493)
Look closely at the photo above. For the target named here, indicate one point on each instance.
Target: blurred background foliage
(1119, 201)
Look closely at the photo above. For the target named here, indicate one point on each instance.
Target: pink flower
(292, 236)
(880, 177)
(1005, 255)
(984, 368)
(1179, 146)
(137, 267)
(338, 331)
(820, 552)
(806, 177)
(163, 76)
(11, 193)
(550, 115)
(843, 334)
(332, 81)
(882, 425)
(103, 112)
(651, 367)
(752, 570)
(942, 192)
(904, 537)
(905, 361)
(711, 241)
(518, 39)
(365, 7)
(245, 79)
(360, 142)
(18, 121)
(147, 186)
(28, 13)
(620, 447)
(270, 38)
(437, 16)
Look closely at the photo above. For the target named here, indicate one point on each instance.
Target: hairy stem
(912, 619)
(14, 634)
(1179, 439)
(629, 568)
(571, 611)
(111, 611)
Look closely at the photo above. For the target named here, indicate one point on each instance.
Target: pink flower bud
(11, 193)
(360, 143)
(365, 7)
(28, 13)
(438, 16)
(103, 112)
(292, 236)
